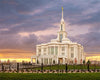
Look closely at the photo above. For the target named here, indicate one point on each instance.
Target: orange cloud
(93, 56)
(15, 54)
(23, 55)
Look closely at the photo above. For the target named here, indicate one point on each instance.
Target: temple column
(48, 61)
(54, 49)
(31, 60)
(57, 60)
(63, 60)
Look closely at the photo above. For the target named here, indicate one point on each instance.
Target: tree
(75, 61)
(83, 61)
(53, 61)
(42, 67)
(88, 62)
(37, 61)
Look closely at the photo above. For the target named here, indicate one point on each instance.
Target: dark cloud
(46, 39)
(93, 18)
(18, 42)
(18, 16)
(90, 41)
(95, 28)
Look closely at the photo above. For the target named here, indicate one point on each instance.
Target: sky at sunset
(25, 23)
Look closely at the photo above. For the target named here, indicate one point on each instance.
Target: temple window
(63, 53)
(56, 50)
(52, 50)
(72, 55)
(50, 61)
(44, 49)
(63, 48)
(72, 48)
(61, 36)
(61, 27)
(49, 50)
(45, 60)
(39, 51)
(44, 53)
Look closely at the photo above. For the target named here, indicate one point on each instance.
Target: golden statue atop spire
(62, 8)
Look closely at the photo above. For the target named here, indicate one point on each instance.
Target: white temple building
(60, 50)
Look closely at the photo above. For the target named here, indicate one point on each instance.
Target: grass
(50, 76)
(62, 67)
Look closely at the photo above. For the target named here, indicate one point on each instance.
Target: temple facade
(60, 50)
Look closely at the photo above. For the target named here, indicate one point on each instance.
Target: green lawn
(62, 67)
(50, 76)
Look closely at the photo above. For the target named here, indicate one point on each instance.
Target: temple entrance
(60, 60)
(33, 60)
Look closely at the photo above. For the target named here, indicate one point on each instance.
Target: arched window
(61, 36)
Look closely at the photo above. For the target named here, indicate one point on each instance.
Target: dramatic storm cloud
(25, 23)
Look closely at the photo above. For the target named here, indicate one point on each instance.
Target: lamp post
(17, 67)
(58, 64)
(42, 67)
(2, 67)
(66, 67)
(88, 65)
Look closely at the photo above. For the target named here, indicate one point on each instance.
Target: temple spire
(62, 13)
(62, 26)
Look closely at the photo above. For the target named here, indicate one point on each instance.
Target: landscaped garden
(52, 72)
(62, 67)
